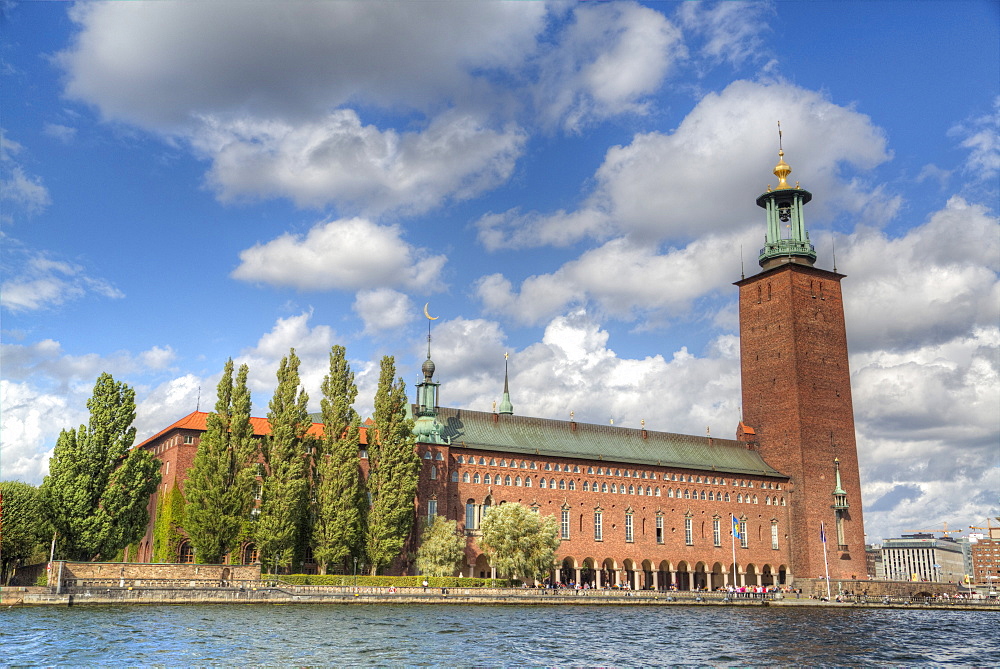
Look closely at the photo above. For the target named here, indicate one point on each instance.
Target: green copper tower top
(505, 406)
(426, 426)
(786, 240)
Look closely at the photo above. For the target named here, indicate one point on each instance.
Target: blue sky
(569, 183)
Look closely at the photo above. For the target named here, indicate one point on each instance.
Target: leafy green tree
(219, 487)
(98, 489)
(393, 471)
(442, 549)
(24, 526)
(338, 513)
(520, 542)
(282, 509)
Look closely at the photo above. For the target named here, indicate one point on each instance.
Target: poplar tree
(519, 542)
(282, 509)
(24, 527)
(337, 516)
(393, 471)
(219, 487)
(98, 489)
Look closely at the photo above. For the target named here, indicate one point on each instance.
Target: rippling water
(492, 635)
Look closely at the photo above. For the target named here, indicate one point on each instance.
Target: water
(493, 635)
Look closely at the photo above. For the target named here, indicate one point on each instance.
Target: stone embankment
(263, 592)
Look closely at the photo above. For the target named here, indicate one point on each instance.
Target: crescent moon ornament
(429, 317)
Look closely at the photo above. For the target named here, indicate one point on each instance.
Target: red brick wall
(797, 396)
(451, 498)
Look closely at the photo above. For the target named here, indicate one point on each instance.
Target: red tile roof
(198, 420)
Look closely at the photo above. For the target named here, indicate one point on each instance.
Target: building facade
(922, 557)
(647, 509)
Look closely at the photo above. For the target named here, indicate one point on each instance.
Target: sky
(573, 184)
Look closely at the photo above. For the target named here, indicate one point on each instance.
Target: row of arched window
(602, 471)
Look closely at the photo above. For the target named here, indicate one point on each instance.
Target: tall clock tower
(797, 387)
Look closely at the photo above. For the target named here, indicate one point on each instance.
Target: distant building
(986, 562)
(873, 561)
(923, 557)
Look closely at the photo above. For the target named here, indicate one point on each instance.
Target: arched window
(755, 499)
(562, 484)
(497, 480)
(641, 491)
(572, 484)
(527, 481)
(604, 487)
(739, 498)
(727, 496)
(703, 494)
(687, 494)
(487, 479)
(186, 552)
(656, 491)
(454, 476)
(631, 490)
(482, 460)
(434, 472)
(476, 479)
(250, 554)
(552, 483)
(586, 486)
(427, 455)
(439, 456)
(670, 492)
(518, 482)
(711, 496)
(782, 501)
(542, 483)
(460, 460)
(465, 477)
(614, 487)
(506, 480)
(493, 462)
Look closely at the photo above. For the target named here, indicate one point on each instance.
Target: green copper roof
(559, 438)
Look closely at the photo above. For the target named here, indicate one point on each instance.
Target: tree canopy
(393, 471)
(219, 486)
(24, 527)
(442, 549)
(339, 494)
(282, 511)
(98, 489)
(519, 542)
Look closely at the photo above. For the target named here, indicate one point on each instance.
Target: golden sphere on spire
(782, 170)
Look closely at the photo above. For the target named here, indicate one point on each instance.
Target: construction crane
(945, 531)
(989, 529)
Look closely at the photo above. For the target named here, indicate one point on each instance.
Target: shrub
(397, 581)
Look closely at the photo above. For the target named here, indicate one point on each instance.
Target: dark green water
(493, 635)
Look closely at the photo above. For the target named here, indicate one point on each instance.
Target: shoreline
(30, 597)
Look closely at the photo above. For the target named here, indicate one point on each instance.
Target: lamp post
(355, 572)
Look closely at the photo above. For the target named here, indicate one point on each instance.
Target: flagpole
(826, 562)
(732, 532)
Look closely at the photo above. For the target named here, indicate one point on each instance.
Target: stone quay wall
(135, 574)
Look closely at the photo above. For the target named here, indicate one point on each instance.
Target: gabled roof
(559, 438)
(198, 420)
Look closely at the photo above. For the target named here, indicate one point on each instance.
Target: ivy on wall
(168, 532)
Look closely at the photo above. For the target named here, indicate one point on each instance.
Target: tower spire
(426, 426)
(505, 406)
(786, 239)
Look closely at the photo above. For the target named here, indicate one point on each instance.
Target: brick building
(656, 509)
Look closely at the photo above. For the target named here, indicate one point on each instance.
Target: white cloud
(937, 282)
(606, 61)
(337, 159)
(702, 177)
(621, 279)
(347, 254)
(729, 31)
(63, 133)
(383, 309)
(23, 190)
(42, 283)
(981, 135)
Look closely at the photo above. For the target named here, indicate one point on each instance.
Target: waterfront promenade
(115, 591)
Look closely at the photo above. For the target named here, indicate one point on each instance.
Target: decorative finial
(708, 430)
(572, 414)
(494, 406)
(781, 170)
(643, 422)
(611, 421)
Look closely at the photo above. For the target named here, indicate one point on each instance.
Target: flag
(822, 531)
(736, 528)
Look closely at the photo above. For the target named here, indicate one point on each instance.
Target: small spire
(781, 170)
(839, 490)
(505, 406)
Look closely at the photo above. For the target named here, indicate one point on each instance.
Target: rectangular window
(716, 532)
(774, 536)
(743, 534)
(659, 529)
(598, 526)
(432, 510)
(470, 516)
(188, 439)
(689, 531)
(628, 527)
(564, 524)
